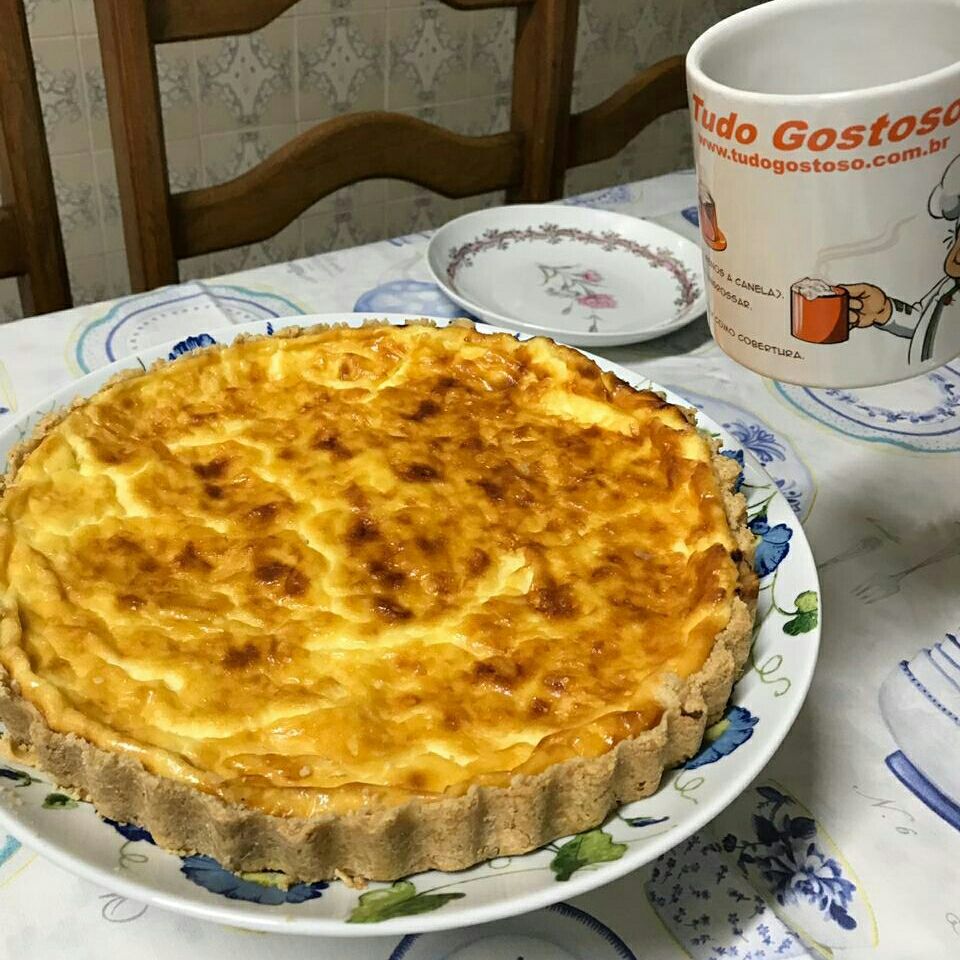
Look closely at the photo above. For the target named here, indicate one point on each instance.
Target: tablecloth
(874, 758)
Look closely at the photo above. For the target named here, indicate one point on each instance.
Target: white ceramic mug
(827, 143)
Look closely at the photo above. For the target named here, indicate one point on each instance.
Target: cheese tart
(366, 601)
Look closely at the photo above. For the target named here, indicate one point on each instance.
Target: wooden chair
(529, 160)
(31, 245)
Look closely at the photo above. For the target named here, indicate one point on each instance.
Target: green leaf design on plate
(59, 801)
(594, 846)
(716, 731)
(398, 900)
(806, 615)
(806, 602)
(267, 878)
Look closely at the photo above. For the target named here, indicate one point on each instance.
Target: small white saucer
(584, 277)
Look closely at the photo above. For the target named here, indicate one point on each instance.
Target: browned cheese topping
(339, 569)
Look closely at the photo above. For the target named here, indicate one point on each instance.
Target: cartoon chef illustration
(919, 322)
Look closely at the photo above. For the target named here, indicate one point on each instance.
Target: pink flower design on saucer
(579, 287)
(598, 301)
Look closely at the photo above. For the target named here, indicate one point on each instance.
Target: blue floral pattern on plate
(268, 887)
(130, 831)
(734, 730)
(773, 547)
(191, 343)
(736, 455)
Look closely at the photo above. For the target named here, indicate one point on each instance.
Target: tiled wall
(229, 102)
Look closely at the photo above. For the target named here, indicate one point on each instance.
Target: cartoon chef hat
(944, 203)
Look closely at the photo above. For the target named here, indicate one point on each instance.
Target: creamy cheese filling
(344, 568)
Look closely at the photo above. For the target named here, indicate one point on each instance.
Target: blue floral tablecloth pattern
(848, 846)
(931, 424)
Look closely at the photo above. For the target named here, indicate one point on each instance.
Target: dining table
(867, 863)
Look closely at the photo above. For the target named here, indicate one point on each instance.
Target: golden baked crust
(285, 601)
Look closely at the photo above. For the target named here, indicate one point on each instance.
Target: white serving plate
(765, 703)
(582, 276)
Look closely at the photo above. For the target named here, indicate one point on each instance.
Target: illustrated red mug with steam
(819, 311)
